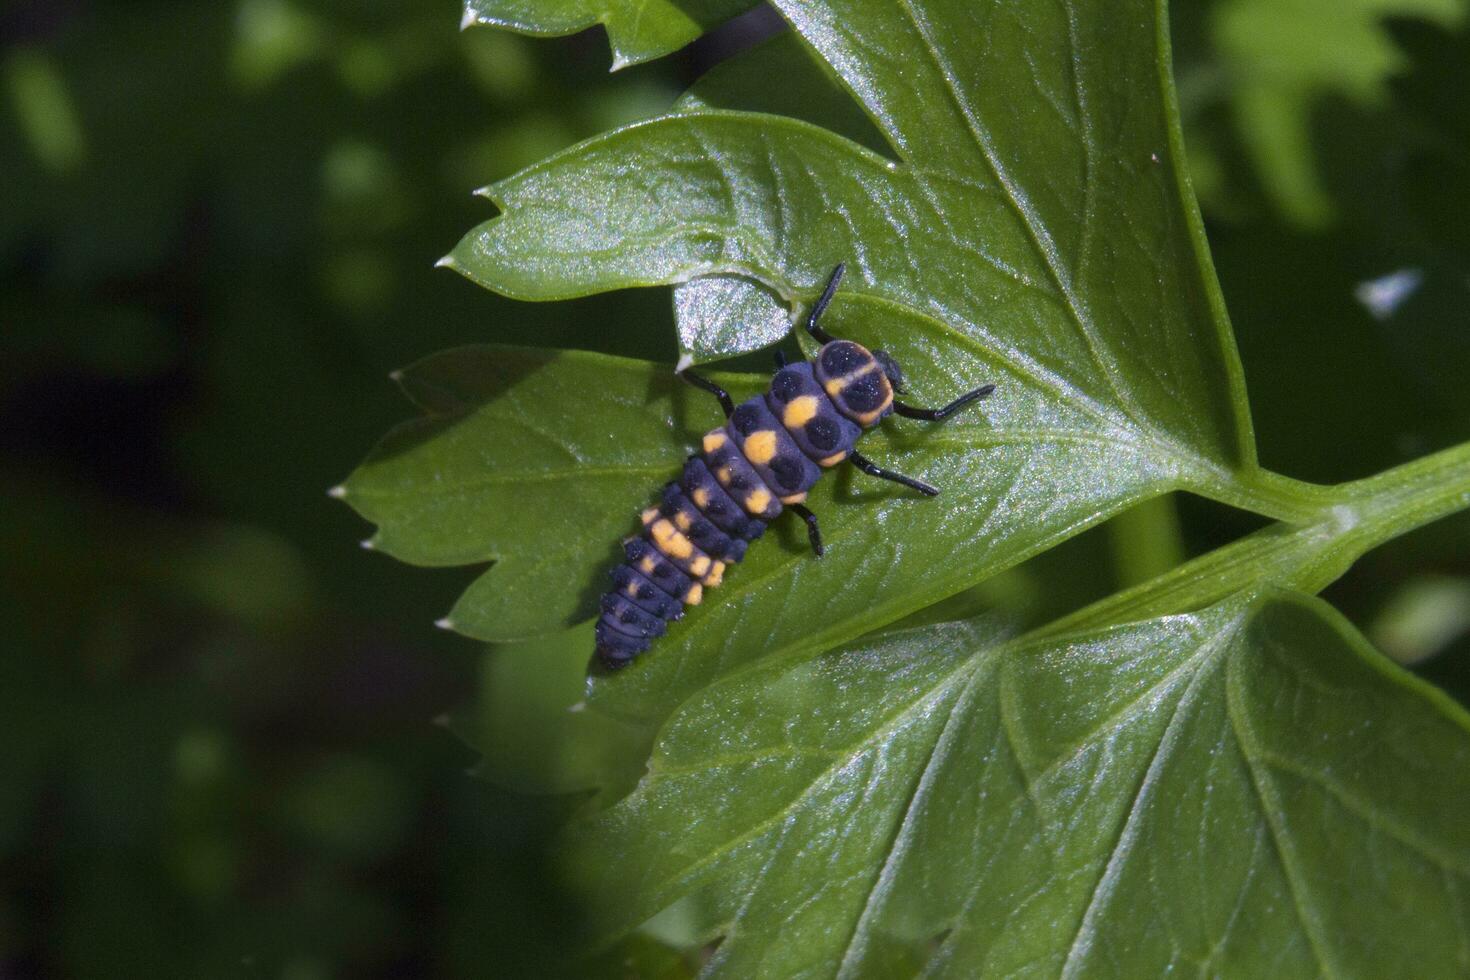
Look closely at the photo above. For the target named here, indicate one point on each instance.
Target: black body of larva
(771, 450)
(767, 455)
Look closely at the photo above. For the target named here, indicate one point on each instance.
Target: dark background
(218, 748)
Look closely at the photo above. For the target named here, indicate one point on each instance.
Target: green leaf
(1035, 234)
(1001, 804)
(539, 461)
(535, 460)
(722, 315)
(1245, 790)
(637, 30)
(532, 729)
(809, 90)
(1035, 208)
(1210, 772)
(1282, 58)
(718, 316)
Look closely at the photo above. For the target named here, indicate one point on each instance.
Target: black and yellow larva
(766, 457)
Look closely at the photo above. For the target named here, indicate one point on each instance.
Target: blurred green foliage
(217, 235)
(217, 227)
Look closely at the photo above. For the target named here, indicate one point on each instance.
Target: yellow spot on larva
(682, 519)
(723, 475)
(632, 588)
(701, 497)
(699, 565)
(835, 386)
(868, 418)
(760, 447)
(713, 440)
(834, 459)
(795, 498)
(670, 541)
(800, 411)
(650, 515)
(716, 574)
(647, 565)
(758, 501)
(695, 594)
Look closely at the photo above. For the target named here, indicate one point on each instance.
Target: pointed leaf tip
(338, 492)
(445, 623)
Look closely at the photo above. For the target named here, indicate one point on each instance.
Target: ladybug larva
(763, 460)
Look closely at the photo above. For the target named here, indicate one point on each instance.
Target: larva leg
(705, 384)
(813, 532)
(939, 414)
(872, 469)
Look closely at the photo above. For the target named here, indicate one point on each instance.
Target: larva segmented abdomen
(769, 453)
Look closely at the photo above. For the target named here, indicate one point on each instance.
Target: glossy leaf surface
(1035, 206)
(1211, 772)
(540, 460)
(535, 460)
(637, 30)
(718, 316)
(1247, 790)
(1284, 59)
(1033, 234)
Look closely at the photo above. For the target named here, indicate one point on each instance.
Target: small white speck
(578, 707)
(469, 19)
(337, 492)
(1384, 295)
(1153, 157)
(892, 165)
(686, 361)
(1345, 518)
(445, 263)
(445, 623)
(395, 376)
(367, 544)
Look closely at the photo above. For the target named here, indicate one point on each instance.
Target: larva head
(856, 380)
(891, 370)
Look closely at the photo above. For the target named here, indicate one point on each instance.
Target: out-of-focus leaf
(532, 728)
(1282, 57)
(1423, 617)
(1117, 801)
(45, 110)
(637, 30)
